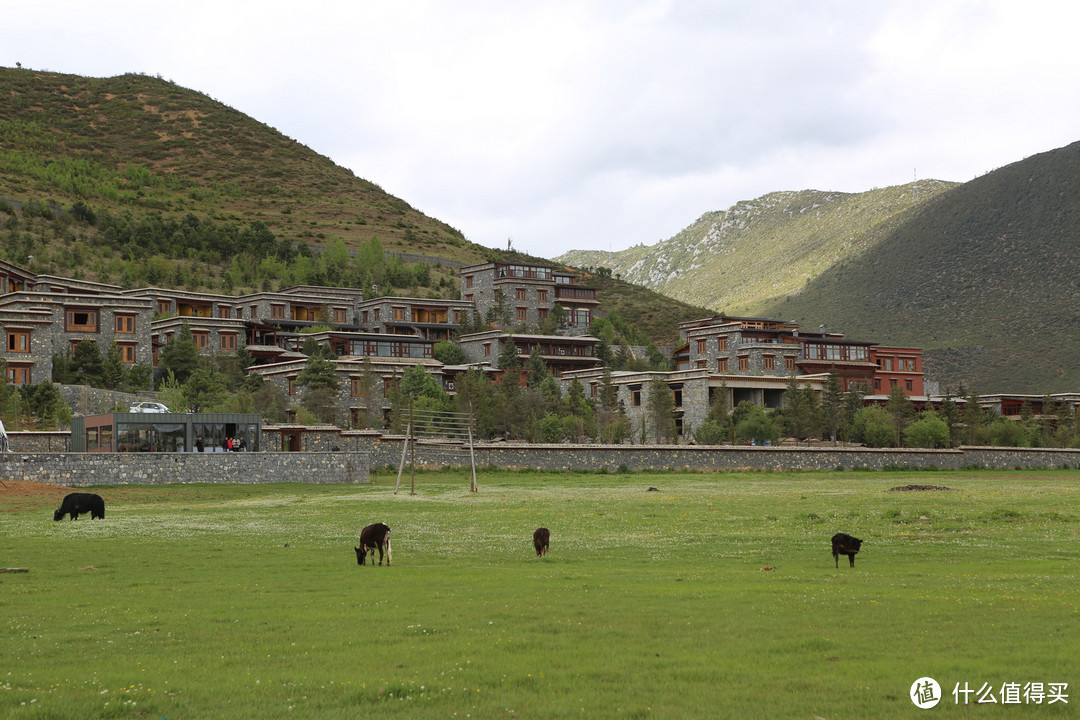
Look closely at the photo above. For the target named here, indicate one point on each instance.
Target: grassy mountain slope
(141, 148)
(743, 258)
(140, 144)
(985, 276)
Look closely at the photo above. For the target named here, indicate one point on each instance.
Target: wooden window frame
(13, 345)
(125, 324)
(127, 352)
(72, 324)
(19, 374)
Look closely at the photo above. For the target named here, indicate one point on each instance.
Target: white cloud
(603, 124)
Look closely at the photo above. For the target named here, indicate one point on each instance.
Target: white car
(148, 407)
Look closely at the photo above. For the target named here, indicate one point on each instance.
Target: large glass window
(151, 437)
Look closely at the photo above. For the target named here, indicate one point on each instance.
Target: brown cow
(844, 544)
(372, 537)
(541, 536)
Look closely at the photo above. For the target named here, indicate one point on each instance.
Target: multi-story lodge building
(527, 294)
(754, 360)
(43, 316)
(561, 353)
(751, 359)
(430, 319)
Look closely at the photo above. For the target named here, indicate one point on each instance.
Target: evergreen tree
(800, 413)
(45, 402)
(180, 356)
(832, 404)
(321, 384)
(950, 414)
(974, 418)
(87, 365)
(370, 414)
(474, 396)
(498, 315)
(659, 406)
(112, 369)
(853, 402)
(901, 410)
(508, 358)
(537, 369)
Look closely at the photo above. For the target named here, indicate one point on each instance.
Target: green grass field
(713, 597)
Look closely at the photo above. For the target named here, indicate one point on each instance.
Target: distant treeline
(196, 253)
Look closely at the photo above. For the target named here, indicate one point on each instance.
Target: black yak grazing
(541, 537)
(844, 544)
(76, 504)
(376, 535)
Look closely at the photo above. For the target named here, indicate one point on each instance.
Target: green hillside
(985, 276)
(135, 143)
(741, 259)
(136, 181)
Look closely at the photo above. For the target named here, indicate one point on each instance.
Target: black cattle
(844, 544)
(76, 504)
(376, 535)
(541, 537)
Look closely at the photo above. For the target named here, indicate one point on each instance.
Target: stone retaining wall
(40, 441)
(362, 451)
(386, 451)
(75, 469)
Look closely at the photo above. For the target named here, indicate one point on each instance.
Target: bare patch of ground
(918, 488)
(18, 495)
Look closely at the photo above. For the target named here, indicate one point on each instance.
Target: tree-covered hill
(136, 181)
(984, 276)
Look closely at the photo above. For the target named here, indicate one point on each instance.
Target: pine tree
(508, 357)
(832, 403)
(901, 410)
(180, 356)
(659, 406)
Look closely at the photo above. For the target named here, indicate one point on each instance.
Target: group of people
(228, 444)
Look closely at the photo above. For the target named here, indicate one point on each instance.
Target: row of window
(277, 312)
(891, 364)
(635, 394)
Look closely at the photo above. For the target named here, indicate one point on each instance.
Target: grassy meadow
(714, 596)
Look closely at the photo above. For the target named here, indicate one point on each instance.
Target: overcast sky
(601, 124)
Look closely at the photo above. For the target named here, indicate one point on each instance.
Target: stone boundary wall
(354, 465)
(40, 441)
(386, 451)
(76, 469)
